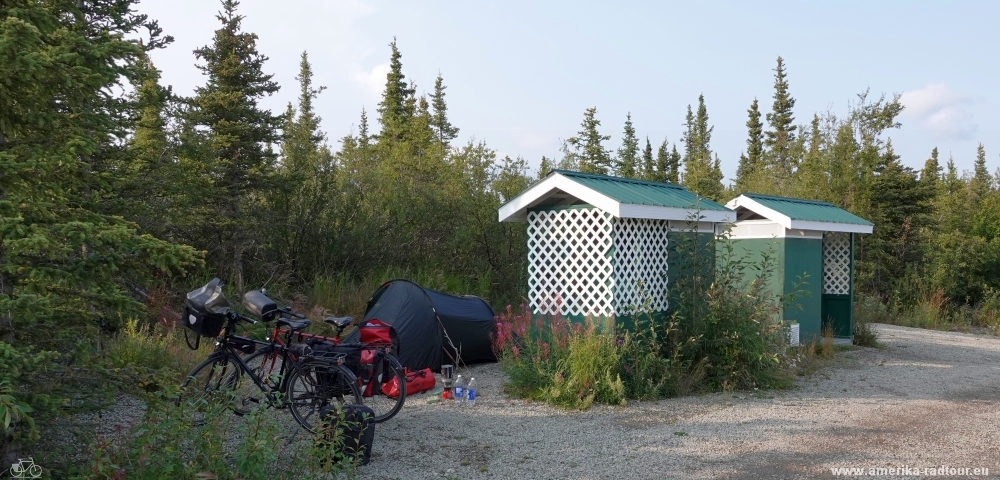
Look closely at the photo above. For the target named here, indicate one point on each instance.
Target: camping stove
(448, 379)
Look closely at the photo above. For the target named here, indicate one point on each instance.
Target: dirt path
(929, 399)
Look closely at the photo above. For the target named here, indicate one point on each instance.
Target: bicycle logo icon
(25, 468)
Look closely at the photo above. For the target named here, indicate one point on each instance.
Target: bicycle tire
(313, 385)
(384, 406)
(267, 363)
(208, 382)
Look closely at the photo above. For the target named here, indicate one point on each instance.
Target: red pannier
(416, 382)
(377, 333)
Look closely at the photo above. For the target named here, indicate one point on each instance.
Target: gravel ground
(928, 399)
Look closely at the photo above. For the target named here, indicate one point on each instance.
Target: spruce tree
(900, 208)
(648, 167)
(931, 173)
(781, 136)
(628, 154)
(662, 173)
(699, 175)
(396, 107)
(148, 177)
(588, 145)
(444, 131)
(674, 166)
(981, 182)
(751, 161)
(364, 138)
(238, 132)
(64, 265)
(307, 181)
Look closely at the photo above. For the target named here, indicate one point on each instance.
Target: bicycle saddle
(339, 322)
(294, 324)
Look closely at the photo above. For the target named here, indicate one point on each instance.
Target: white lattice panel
(569, 268)
(836, 263)
(640, 264)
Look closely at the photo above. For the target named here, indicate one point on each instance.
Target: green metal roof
(808, 210)
(642, 192)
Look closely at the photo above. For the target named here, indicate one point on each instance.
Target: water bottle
(459, 390)
(470, 392)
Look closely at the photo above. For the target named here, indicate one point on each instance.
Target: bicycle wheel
(316, 386)
(267, 364)
(386, 369)
(210, 383)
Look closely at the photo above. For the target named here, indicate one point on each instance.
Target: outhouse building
(599, 245)
(811, 246)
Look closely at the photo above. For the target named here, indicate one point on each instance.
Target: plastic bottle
(459, 390)
(470, 392)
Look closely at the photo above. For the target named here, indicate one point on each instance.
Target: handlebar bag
(205, 310)
(202, 323)
(259, 305)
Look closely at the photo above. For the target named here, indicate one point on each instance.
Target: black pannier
(206, 309)
(353, 426)
(352, 353)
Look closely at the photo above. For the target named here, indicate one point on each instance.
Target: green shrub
(167, 444)
(729, 320)
(145, 359)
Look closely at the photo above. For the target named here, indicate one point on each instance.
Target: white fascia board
(755, 207)
(516, 209)
(831, 227)
(631, 210)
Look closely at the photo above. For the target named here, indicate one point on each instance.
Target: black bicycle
(306, 383)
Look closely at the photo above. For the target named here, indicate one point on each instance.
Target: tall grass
(934, 310)
(145, 358)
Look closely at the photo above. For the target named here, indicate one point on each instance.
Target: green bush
(167, 444)
(729, 319)
(145, 359)
(723, 333)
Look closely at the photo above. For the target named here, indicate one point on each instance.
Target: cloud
(940, 110)
(373, 80)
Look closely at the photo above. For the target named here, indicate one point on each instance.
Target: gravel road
(928, 399)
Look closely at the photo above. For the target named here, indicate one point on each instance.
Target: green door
(838, 283)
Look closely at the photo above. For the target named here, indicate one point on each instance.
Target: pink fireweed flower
(545, 350)
(514, 350)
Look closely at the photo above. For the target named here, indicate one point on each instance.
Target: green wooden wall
(795, 260)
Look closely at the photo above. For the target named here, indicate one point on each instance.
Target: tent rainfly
(813, 253)
(598, 245)
(434, 328)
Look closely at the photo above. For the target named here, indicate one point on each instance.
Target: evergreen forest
(117, 195)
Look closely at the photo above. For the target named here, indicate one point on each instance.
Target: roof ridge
(790, 199)
(618, 179)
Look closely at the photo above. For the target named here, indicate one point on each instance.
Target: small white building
(599, 245)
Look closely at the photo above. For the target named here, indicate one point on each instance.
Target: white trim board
(516, 210)
(787, 222)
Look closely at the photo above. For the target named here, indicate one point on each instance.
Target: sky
(519, 74)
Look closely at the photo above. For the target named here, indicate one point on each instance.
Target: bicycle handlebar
(237, 316)
(288, 311)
